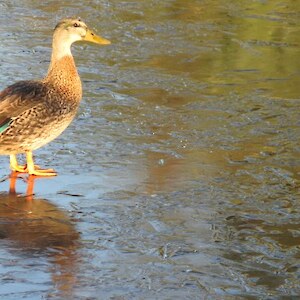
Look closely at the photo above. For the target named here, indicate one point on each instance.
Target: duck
(35, 112)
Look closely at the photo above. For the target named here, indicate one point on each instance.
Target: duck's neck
(62, 73)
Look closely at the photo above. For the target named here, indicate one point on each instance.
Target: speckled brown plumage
(33, 113)
(39, 110)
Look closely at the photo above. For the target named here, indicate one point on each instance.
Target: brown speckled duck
(33, 113)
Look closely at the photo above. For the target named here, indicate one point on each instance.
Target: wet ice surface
(180, 176)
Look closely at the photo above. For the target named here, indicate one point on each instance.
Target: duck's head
(69, 31)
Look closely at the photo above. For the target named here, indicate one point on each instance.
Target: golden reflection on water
(245, 46)
(167, 173)
(35, 225)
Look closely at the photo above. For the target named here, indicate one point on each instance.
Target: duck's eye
(76, 25)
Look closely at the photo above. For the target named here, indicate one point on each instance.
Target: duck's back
(32, 113)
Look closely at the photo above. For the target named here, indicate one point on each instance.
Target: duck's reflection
(37, 227)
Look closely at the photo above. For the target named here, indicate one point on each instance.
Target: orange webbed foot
(15, 167)
(42, 172)
(36, 170)
(30, 167)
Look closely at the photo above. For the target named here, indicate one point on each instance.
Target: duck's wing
(17, 98)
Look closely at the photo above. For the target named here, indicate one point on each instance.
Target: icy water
(179, 178)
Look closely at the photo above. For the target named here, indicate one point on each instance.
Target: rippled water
(179, 178)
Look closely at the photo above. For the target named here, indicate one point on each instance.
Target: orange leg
(30, 186)
(12, 183)
(35, 170)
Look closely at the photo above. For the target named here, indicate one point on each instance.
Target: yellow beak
(94, 38)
